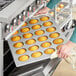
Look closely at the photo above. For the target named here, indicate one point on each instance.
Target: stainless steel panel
(11, 11)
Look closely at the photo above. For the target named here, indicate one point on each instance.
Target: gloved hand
(42, 11)
(65, 50)
(47, 0)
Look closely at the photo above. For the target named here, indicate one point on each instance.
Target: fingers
(38, 13)
(65, 56)
(58, 52)
(42, 11)
(62, 52)
(62, 56)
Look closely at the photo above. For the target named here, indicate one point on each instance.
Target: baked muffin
(49, 51)
(51, 29)
(43, 38)
(36, 27)
(39, 32)
(61, 5)
(25, 24)
(23, 58)
(27, 35)
(36, 54)
(15, 38)
(45, 18)
(52, 13)
(33, 48)
(15, 33)
(31, 41)
(47, 23)
(46, 44)
(33, 21)
(58, 41)
(26, 29)
(20, 51)
(18, 44)
(59, 46)
(58, 9)
(54, 35)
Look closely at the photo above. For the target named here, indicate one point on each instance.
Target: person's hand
(65, 50)
(42, 11)
(47, 0)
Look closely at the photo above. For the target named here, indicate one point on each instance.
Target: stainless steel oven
(13, 14)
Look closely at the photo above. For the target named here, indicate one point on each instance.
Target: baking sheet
(41, 49)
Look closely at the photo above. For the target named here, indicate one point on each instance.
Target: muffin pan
(34, 49)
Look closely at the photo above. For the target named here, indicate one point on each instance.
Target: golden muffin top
(46, 44)
(52, 13)
(51, 29)
(15, 33)
(59, 46)
(49, 51)
(58, 9)
(45, 18)
(33, 48)
(15, 38)
(61, 5)
(36, 27)
(26, 29)
(31, 41)
(42, 38)
(54, 35)
(36, 54)
(58, 41)
(27, 35)
(25, 24)
(18, 44)
(33, 21)
(47, 23)
(20, 51)
(23, 58)
(39, 32)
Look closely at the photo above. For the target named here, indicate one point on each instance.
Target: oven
(13, 14)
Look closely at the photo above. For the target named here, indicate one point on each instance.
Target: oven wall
(9, 64)
(1, 52)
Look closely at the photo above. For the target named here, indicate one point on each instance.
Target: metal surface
(69, 33)
(68, 5)
(31, 69)
(44, 56)
(5, 3)
(36, 70)
(50, 67)
(60, 23)
(65, 21)
(1, 51)
(65, 12)
(15, 8)
(61, 9)
(40, 69)
(7, 35)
